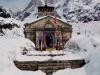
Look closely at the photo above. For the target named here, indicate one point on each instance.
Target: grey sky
(14, 4)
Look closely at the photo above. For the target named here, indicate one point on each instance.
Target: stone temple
(47, 31)
(49, 34)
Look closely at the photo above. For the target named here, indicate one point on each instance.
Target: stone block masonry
(49, 66)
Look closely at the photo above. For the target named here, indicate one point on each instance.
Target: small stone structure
(49, 66)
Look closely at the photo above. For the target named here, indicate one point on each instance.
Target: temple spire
(46, 10)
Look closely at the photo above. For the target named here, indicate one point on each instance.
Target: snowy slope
(9, 48)
(89, 43)
(15, 31)
(12, 41)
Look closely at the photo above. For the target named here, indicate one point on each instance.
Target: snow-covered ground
(85, 44)
(46, 57)
(80, 71)
(12, 41)
(8, 51)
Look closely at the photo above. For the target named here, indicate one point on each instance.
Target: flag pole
(56, 30)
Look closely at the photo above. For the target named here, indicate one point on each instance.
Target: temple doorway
(49, 41)
(49, 38)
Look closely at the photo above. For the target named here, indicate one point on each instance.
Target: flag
(56, 25)
(55, 22)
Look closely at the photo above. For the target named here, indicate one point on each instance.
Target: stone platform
(49, 66)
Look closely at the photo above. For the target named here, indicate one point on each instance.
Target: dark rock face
(4, 14)
(7, 26)
(3, 25)
(25, 15)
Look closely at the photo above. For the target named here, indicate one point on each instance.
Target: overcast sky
(14, 4)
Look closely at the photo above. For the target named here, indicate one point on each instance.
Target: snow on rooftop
(36, 19)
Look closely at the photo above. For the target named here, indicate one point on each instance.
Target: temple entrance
(49, 38)
(49, 41)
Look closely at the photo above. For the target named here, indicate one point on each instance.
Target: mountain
(31, 7)
(81, 10)
(69, 10)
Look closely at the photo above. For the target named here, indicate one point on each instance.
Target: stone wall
(49, 66)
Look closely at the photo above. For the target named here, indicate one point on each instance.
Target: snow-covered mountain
(71, 10)
(81, 10)
(30, 9)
